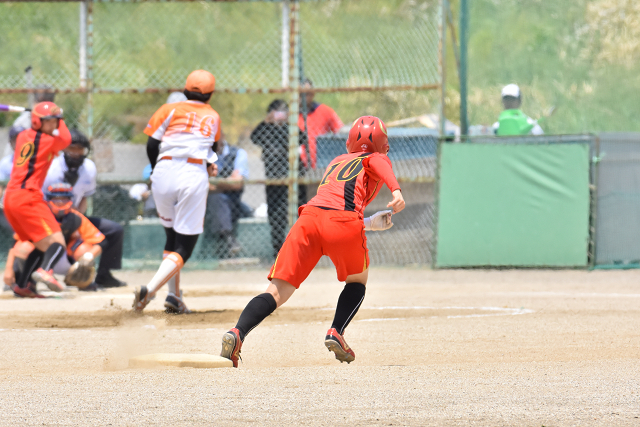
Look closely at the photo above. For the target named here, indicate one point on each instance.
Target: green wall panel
(513, 205)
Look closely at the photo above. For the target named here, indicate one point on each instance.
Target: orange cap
(200, 81)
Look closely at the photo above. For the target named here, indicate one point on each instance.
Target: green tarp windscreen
(513, 205)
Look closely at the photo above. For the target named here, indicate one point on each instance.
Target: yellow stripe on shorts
(46, 227)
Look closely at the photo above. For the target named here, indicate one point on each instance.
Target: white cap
(511, 90)
(176, 97)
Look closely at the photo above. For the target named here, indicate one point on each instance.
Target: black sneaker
(175, 305)
(91, 288)
(107, 280)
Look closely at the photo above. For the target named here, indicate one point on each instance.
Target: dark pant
(111, 258)
(278, 212)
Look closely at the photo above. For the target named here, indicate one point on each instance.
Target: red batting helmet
(369, 134)
(44, 110)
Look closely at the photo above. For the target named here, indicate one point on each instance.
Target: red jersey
(353, 180)
(321, 119)
(33, 155)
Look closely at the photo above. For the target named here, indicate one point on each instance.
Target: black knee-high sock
(32, 262)
(52, 255)
(348, 304)
(18, 266)
(255, 312)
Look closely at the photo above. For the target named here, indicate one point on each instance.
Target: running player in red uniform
(24, 204)
(331, 224)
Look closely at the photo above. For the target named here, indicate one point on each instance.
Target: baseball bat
(13, 108)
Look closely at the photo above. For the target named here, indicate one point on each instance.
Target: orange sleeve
(219, 132)
(158, 119)
(379, 166)
(88, 232)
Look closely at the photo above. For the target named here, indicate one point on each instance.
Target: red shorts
(29, 215)
(337, 234)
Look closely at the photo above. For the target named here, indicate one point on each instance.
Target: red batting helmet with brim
(368, 134)
(43, 111)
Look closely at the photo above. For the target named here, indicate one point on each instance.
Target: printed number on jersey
(349, 171)
(205, 125)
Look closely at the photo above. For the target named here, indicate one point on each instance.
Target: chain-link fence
(318, 65)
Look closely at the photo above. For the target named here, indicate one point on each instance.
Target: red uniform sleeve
(380, 167)
(334, 121)
(63, 139)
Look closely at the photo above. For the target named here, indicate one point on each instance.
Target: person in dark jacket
(272, 135)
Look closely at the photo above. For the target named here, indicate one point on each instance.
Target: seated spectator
(224, 204)
(142, 194)
(272, 135)
(6, 166)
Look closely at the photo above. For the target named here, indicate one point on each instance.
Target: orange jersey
(186, 129)
(353, 180)
(87, 232)
(33, 155)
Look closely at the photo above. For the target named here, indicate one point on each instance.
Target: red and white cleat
(336, 343)
(231, 345)
(46, 277)
(28, 292)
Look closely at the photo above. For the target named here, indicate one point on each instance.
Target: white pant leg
(180, 192)
(163, 189)
(192, 199)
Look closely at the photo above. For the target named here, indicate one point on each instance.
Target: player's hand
(397, 204)
(212, 169)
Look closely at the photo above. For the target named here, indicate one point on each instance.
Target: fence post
(294, 86)
(464, 41)
(82, 51)
(90, 69)
(443, 62)
(285, 44)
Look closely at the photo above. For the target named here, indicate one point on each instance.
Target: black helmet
(78, 139)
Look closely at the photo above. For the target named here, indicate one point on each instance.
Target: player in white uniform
(181, 152)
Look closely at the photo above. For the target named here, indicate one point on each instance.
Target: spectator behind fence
(6, 165)
(142, 194)
(512, 120)
(224, 204)
(74, 168)
(272, 135)
(321, 119)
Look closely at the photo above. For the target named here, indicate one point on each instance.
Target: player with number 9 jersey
(25, 208)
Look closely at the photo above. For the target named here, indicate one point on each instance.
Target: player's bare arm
(397, 204)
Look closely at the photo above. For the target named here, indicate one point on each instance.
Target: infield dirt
(445, 348)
